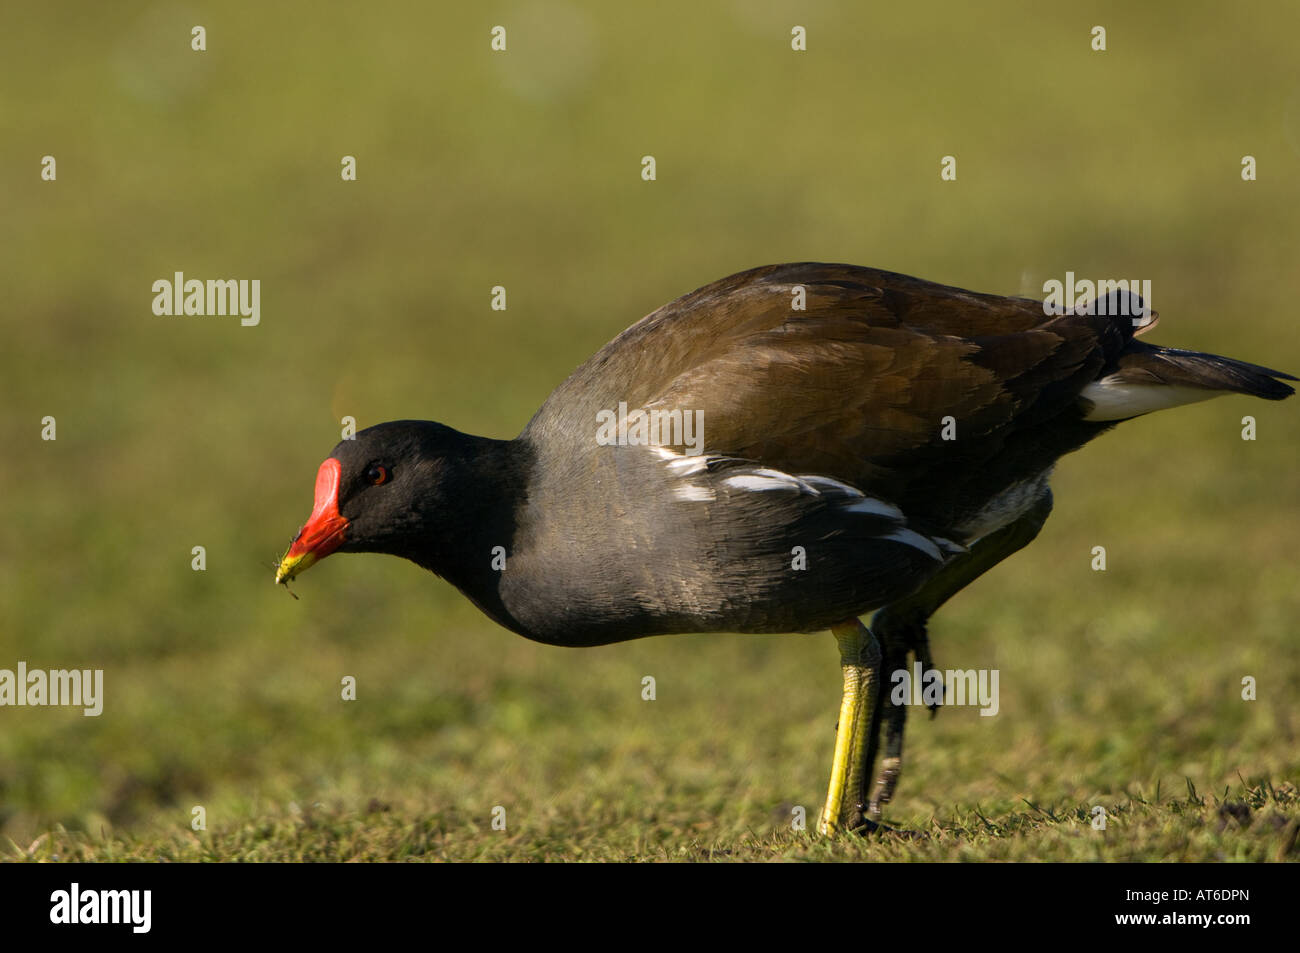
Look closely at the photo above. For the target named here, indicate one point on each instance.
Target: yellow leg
(859, 658)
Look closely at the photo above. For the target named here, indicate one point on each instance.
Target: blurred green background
(522, 169)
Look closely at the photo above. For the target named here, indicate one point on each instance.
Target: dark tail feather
(1144, 378)
(1209, 371)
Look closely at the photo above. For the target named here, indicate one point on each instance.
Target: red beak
(324, 530)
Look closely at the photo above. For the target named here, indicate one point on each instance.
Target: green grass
(1260, 824)
(1120, 689)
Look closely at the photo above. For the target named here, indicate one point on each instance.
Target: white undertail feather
(1114, 399)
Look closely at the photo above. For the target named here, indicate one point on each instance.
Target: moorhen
(779, 451)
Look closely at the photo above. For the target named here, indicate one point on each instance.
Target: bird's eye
(377, 475)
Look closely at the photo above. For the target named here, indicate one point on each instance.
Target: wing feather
(856, 386)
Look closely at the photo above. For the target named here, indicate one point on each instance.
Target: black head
(406, 488)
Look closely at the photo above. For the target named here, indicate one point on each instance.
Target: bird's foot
(869, 828)
(860, 665)
(898, 638)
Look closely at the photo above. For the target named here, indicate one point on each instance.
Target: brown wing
(855, 385)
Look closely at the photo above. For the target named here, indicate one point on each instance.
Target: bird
(784, 450)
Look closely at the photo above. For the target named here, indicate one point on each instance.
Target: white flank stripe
(916, 541)
(695, 494)
(831, 486)
(798, 481)
(685, 466)
(774, 474)
(874, 507)
(755, 482)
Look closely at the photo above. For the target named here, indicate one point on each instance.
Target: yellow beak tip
(291, 566)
